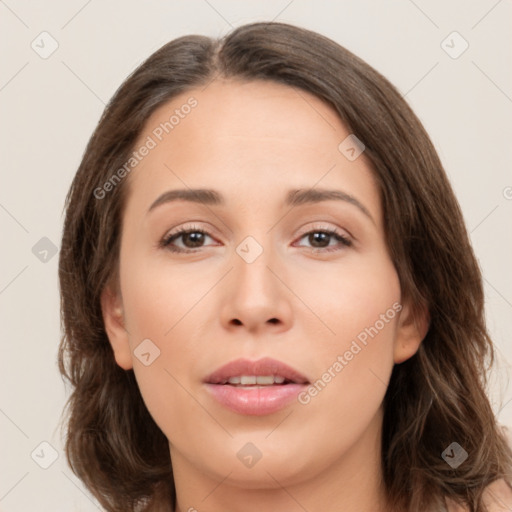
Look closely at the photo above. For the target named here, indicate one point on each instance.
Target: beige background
(49, 107)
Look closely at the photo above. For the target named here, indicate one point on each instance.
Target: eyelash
(167, 240)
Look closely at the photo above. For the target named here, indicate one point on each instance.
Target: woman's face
(259, 275)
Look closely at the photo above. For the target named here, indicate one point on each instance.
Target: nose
(256, 298)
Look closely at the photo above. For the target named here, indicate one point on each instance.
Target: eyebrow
(295, 197)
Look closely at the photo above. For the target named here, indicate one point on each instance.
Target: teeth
(264, 381)
(261, 380)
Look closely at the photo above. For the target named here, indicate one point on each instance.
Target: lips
(255, 387)
(266, 367)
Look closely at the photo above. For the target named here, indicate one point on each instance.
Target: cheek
(354, 359)
(156, 297)
(161, 305)
(348, 298)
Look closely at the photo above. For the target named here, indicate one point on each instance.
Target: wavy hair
(436, 397)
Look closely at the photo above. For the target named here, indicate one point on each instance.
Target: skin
(253, 142)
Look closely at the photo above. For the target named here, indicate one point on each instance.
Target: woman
(268, 294)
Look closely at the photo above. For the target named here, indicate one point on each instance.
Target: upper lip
(265, 366)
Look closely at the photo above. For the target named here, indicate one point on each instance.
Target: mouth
(259, 381)
(255, 387)
(262, 373)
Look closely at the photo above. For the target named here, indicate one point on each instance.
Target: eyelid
(344, 240)
(323, 226)
(191, 226)
(185, 228)
(316, 224)
(302, 231)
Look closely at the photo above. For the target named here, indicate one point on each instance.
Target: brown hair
(435, 398)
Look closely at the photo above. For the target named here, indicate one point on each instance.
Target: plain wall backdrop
(63, 60)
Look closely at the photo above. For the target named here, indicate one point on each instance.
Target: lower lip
(253, 400)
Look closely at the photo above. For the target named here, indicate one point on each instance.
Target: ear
(113, 318)
(411, 330)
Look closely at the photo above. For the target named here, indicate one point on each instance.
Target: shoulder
(498, 495)
(497, 498)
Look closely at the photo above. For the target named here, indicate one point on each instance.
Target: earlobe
(411, 331)
(113, 318)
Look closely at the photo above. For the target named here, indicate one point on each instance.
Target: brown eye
(320, 240)
(191, 239)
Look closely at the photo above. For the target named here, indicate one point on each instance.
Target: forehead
(258, 109)
(258, 136)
